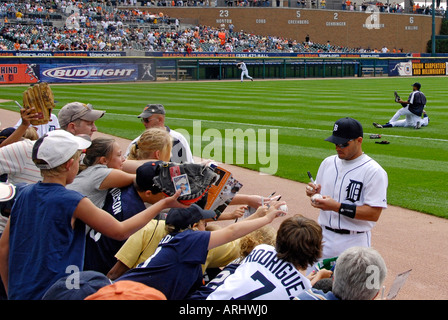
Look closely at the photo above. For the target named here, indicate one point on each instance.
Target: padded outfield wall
(51, 67)
(373, 29)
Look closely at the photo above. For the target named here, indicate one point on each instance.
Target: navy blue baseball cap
(417, 85)
(88, 282)
(5, 133)
(145, 175)
(182, 218)
(344, 130)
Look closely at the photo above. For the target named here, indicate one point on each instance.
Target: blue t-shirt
(42, 242)
(121, 203)
(175, 267)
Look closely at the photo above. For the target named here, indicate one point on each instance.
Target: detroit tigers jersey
(262, 276)
(243, 66)
(417, 102)
(360, 181)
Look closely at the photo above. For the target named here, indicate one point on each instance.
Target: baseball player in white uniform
(353, 188)
(244, 72)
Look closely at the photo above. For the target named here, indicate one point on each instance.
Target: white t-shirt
(262, 276)
(42, 129)
(360, 181)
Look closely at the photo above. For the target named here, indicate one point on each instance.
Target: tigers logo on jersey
(353, 191)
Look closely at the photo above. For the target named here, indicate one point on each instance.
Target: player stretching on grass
(412, 109)
(244, 73)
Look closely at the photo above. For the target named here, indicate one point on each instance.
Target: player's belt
(343, 231)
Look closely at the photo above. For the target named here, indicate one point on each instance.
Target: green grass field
(303, 112)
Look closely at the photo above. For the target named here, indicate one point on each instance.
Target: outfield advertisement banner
(18, 73)
(422, 68)
(97, 72)
(401, 68)
(418, 68)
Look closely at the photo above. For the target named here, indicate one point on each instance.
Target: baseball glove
(198, 180)
(397, 97)
(41, 98)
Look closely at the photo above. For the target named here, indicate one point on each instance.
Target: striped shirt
(16, 161)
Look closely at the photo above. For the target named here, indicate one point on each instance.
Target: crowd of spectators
(119, 37)
(105, 26)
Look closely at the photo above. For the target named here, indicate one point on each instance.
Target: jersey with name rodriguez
(361, 181)
(262, 276)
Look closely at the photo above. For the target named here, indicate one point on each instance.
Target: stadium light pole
(433, 35)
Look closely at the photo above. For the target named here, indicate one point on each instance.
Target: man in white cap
(153, 115)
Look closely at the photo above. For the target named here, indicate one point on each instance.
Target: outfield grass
(303, 112)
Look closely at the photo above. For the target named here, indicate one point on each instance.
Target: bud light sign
(97, 72)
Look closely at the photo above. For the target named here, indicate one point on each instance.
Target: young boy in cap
(46, 230)
(354, 190)
(175, 267)
(121, 203)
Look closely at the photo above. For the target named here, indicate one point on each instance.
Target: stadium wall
(72, 69)
(373, 29)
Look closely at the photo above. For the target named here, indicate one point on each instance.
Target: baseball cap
(145, 175)
(151, 109)
(76, 110)
(57, 147)
(344, 130)
(182, 218)
(7, 191)
(127, 290)
(5, 133)
(88, 282)
(417, 84)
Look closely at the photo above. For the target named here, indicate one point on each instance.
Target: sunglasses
(343, 145)
(147, 120)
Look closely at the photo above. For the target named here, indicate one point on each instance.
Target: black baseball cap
(151, 109)
(344, 130)
(417, 85)
(145, 175)
(182, 218)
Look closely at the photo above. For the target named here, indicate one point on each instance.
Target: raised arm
(106, 224)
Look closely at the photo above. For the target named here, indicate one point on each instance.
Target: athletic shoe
(377, 125)
(418, 125)
(251, 79)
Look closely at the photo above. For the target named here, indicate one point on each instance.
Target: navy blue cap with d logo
(344, 130)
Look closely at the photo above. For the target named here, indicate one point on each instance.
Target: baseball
(316, 196)
(284, 208)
